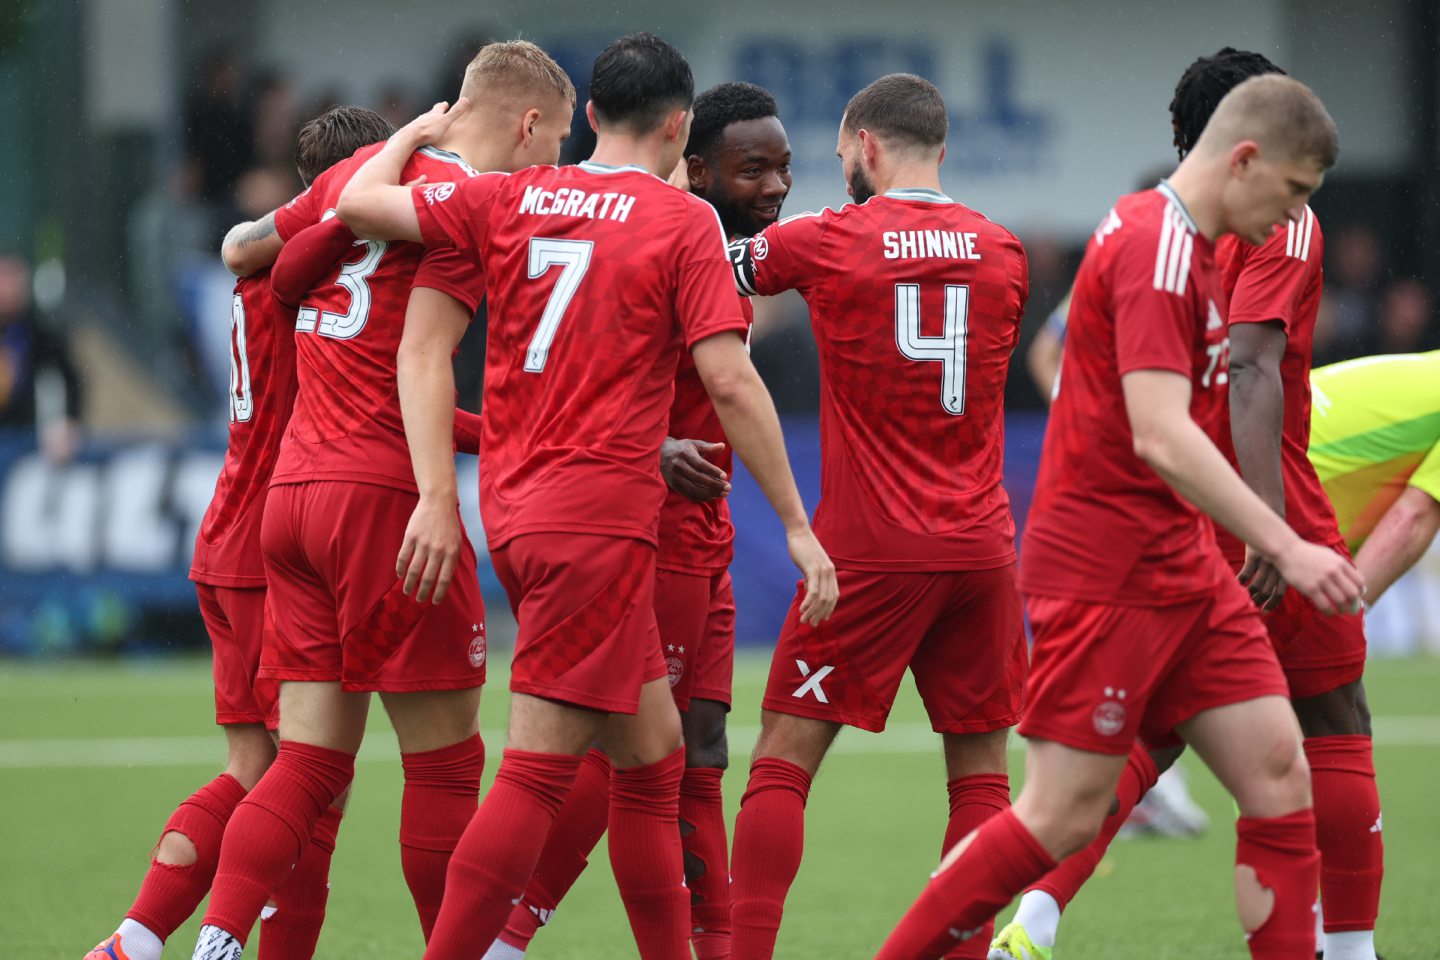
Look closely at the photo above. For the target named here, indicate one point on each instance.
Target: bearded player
(230, 580)
(1149, 635)
(345, 625)
(915, 301)
(738, 161)
(1274, 294)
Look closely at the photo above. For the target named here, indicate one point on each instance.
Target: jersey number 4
(948, 349)
(573, 259)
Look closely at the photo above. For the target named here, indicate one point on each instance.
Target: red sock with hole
(1282, 852)
(578, 827)
(1347, 830)
(270, 829)
(1136, 779)
(1001, 859)
(442, 792)
(170, 892)
(292, 932)
(973, 800)
(769, 842)
(707, 872)
(646, 857)
(497, 854)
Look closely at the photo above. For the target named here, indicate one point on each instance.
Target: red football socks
(769, 841)
(1001, 859)
(973, 800)
(1347, 830)
(578, 827)
(645, 855)
(270, 829)
(1281, 851)
(702, 837)
(171, 892)
(442, 790)
(497, 854)
(291, 934)
(1136, 779)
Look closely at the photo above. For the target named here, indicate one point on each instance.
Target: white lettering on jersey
(573, 202)
(1109, 225)
(812, 683)
(915, 244)
(1297, 235)
(1172, 257)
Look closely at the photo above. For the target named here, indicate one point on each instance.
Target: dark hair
(637, 80)
(1204, 84)
(335, 135)
(902, 108)
(722, 105)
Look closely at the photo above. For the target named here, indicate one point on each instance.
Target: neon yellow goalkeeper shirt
(1374, 430)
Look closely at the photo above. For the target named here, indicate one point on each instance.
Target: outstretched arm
(1399, 540)
(373, 203)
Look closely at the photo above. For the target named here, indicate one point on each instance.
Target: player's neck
(909, 176)
(618, 150)
(1199, 187)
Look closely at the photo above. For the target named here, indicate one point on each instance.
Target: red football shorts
(1317, 651)
(1103, 674)
(585, 605)
(696, 618)
(337, 606)
(961, 634)
(236, 621)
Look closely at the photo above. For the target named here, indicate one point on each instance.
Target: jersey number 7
(948, 349)
(573, 258)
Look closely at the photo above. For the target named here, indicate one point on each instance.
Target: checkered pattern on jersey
(571, 433)
(911, 416)
(347, 421)
(372, 641)
(1103, 526)
(262, 392)
(697, 537)
(1282, 280)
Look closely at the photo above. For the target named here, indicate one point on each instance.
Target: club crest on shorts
(477, 646)
(676, 668)
(1109, 717)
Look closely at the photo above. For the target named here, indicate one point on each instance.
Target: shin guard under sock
(442, 791)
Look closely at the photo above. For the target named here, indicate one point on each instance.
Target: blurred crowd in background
(240, 121)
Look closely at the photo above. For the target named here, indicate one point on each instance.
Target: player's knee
(249, 759)
(176, 850)
(1283, 781)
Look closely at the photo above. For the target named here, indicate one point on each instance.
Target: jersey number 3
(948, 349)
(354, 279)
(573, 259)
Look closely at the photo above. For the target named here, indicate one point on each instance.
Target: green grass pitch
(94, 757)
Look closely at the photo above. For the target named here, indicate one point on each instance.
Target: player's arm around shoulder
(251, 246)
(374, 203)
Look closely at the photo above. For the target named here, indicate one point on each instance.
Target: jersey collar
(923, 194)
(1168, 192)
(590, 166)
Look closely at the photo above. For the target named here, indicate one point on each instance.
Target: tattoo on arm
(253, 232)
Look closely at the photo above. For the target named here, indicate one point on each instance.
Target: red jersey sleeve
(1154, 326)
(306, 257)
(455, 214)
(467, 432)
(302, 212)
(780, 258)
(453, 273)
(705, 301)
(1273, 284)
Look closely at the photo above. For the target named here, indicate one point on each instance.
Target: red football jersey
(697, 538)
(1281, 280)
(1103, 526)
(347, 423)
(598, 277)
(915, 301)
(262, 393)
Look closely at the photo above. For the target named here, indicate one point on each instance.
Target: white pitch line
(899, 739)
